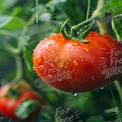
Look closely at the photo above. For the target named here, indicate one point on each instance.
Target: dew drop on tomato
(75, 62)
(52, 51)
(39, 60)
(75, 44)
(41, 67)
(86, 49)
(61, 64)
(52, 65)
(75, 94)
(102, 88)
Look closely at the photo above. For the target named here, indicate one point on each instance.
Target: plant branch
(102, 26)
(118, 87)
(19, 69)
(88, 9)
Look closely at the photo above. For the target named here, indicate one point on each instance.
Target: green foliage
(4, 20)
(113, 7)
(27, 53)
(117, 26)
(96, 119)
(19, 34)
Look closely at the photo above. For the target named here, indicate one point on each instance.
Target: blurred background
(26, 22)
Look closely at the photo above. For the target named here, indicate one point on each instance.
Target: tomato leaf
(112, 6)
(26, 108)
(117, 26)
(4, 20)
(16, 23)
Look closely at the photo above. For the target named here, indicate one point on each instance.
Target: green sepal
(66, 31)
(26, 108)
(13, 93)
(117, 26)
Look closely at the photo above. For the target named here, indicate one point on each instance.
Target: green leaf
(16, 23)
(96, 119)
(28, 52)
(112, 6)
(4, 20)
(26, 108)
(6, 4)
(117, 26)
(16, 10)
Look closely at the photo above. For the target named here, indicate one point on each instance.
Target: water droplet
(93, 78)
(41, 67)
(34, 68)
(50, 44)
(69, 47)
(39, 60)
(45, 57)
(61, 64)
(59, 79)
(102, 88)
(56, 59)
(75, 62)
(92, 62)
(52, 51)
(66, 66)
(75, 94)
(52, 65)
(75, 44)
(86, 49)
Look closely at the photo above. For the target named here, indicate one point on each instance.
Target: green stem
(4, 32)
(11, 49)
(102, 26)
(78, 26)
(114, 101)
(88, 9)
(119, 89)
(37, 17)
(8, 46)
(113, 97)
(97, 11)
(19, 69)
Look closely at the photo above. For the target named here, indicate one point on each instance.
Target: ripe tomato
(74, 66)
(12, 97)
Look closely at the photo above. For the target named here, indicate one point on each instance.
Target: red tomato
(10, 102)
(74, 66)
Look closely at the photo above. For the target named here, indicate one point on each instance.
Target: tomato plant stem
(113, 97)
(118, 87)
(88, 9)
(18, 68)
(102, 26)
(37, 18)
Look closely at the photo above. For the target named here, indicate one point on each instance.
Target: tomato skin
(8, 105)
(73, 66)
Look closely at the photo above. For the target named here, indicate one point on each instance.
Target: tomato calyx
(13, 94)
(15, 90)
(79, 31)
